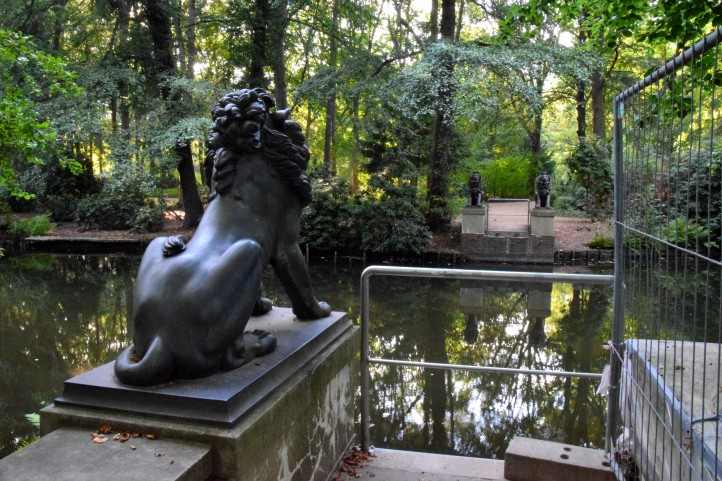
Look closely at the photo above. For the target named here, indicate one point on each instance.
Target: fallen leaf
(122, 437)
(100, 439)
(135, 435)
(105, 428)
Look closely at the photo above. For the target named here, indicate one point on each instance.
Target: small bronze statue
(543, 184)
(476, 190)
(193, 299)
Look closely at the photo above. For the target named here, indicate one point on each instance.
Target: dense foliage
(419, 94)
(35, 87)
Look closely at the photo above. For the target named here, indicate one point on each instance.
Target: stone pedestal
(473, 220)
(287, 416)
(541, 222)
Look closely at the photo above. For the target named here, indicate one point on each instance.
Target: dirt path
(573, 234)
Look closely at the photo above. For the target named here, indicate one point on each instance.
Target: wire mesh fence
(664, 407)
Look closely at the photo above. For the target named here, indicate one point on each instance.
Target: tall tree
(440, 161)
(158, 17)
(329, 154)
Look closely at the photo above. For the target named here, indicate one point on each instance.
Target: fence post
(618, 322)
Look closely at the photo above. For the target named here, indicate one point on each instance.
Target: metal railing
(666, 349)
(457, 274)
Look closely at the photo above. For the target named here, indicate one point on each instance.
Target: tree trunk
(277, 49)
(434, 21)
(356, 144)
(59, 27)
(191, 49)
(259, 25)
(329, 157)
(123, 54)
(158, 19)
(459, 20)
(598, 121)
(581, 96)
(180, 37)
(438, 215)
(189, 189)
(581, 110)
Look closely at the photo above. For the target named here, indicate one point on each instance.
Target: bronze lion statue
(193, 299)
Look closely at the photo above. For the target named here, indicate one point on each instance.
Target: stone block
(542, 222)
(518, 246)
(473, 220)
(69, 454)
(529, 459)
(297, 431)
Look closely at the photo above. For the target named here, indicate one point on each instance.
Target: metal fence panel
(663, 420)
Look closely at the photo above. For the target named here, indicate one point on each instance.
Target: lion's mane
(282, 144)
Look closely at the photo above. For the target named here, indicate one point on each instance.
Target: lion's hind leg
(231, 290)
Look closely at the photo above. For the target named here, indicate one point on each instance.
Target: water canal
(61, 315)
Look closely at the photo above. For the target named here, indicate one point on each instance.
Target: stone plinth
(473, 220)
(289, 416)
(541, 222)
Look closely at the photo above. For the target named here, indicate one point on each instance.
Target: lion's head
(242, 123)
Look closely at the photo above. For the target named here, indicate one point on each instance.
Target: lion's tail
(155, 367)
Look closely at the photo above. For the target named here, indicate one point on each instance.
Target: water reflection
(61, 315)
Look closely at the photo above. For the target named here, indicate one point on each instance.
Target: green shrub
(590, 167)
(125, 201)
(149, 218)
(330, 220)
(393, 224)
(36, 225)
(509, 177)
(385, 219)
(687, 233)
(601, 241)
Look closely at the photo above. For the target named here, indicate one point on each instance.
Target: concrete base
(299, 431)
(541, 222)
(70, 455)
(224, 397)
(516, 248)
(392, 465)
(536, 460)
(681, 379)
(473, 220)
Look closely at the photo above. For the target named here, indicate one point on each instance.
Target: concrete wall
(520, 249)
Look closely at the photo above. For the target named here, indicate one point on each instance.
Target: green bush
(36, 225)
(393, 224)
(601, 241)
(125, 201)
(687, 233)
(590, 167)
(509, 177)
(385, 219)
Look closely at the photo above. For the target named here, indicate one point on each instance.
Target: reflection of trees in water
(473, 414)
(59, 316)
